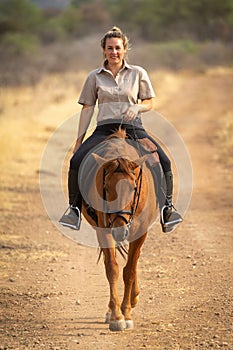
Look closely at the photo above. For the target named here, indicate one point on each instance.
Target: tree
(19, 16)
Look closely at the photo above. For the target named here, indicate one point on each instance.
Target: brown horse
(123, 193)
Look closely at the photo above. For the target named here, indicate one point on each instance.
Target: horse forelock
(120, 164)
(126, 166)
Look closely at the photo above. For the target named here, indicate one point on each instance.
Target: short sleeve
(88, 94)
(145, 87)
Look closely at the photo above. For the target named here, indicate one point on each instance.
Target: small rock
(80, 334)
(78, 302)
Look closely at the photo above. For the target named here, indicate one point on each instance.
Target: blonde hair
(115, 32)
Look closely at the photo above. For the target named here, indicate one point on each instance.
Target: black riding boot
(169, 216)
(164, 188)
(72, 216)
(159, 184)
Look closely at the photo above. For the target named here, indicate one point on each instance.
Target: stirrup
(72, 219)
(173, 218)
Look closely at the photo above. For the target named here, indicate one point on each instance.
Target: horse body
(123, 193)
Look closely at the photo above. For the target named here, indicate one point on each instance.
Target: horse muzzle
(120, 233)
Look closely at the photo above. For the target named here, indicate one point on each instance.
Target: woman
(118, 87)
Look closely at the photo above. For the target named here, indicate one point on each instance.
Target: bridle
(120, 213)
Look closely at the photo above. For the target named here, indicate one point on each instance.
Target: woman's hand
(132, 112)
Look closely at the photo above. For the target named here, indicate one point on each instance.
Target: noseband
(122, 212)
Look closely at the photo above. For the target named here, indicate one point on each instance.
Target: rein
(120, 213)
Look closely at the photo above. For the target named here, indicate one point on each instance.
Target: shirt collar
(103, 68)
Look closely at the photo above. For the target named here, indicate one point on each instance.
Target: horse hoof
(108, 317)
(117, 326)
(129, 324)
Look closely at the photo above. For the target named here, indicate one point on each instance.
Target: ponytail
(115, 32)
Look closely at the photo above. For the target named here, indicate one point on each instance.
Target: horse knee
(112, 269)
(128, 274)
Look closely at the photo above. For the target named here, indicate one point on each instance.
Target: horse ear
(99, 160)
(140, 161)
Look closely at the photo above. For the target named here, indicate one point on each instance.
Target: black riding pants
(103, 131)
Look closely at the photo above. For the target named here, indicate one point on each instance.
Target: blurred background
(43, 36)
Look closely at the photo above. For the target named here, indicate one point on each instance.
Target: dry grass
(28, 116)
(225, 139)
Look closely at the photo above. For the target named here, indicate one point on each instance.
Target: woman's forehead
(114, 41)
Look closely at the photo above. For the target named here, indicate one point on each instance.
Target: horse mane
(119, 133)
(123, 159)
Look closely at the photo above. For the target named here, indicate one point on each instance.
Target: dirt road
(53, 294)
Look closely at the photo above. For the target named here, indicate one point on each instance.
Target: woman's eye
(116, 48)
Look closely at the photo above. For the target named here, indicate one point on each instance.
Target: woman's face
(114, 50)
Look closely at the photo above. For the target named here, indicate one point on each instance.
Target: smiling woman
(123, 92)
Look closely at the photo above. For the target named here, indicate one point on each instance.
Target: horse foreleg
(117, 322)
(131, 290)
(135, 292)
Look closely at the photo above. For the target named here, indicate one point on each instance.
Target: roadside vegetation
(171, 34)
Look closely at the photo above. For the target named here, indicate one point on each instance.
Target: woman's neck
(114, 68)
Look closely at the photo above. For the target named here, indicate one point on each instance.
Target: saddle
(150, 147)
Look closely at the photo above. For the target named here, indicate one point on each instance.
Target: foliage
(20, 43)
(51, 31)
(19, 16)
(150, 19)
(174, 54)
(166, 19)
(70, 21)
(181, 21)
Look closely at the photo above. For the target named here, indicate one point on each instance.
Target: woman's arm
(85, 119)
(144, 106)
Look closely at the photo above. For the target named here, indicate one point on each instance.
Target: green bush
(20, 44)
(174, 54)
(71, 21)
(52, 31)
(19, 16)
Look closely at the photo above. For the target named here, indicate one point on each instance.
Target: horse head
(121, 187)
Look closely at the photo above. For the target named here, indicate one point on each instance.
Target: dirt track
(54, 296)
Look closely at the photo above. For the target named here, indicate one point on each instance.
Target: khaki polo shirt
(115, 95)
